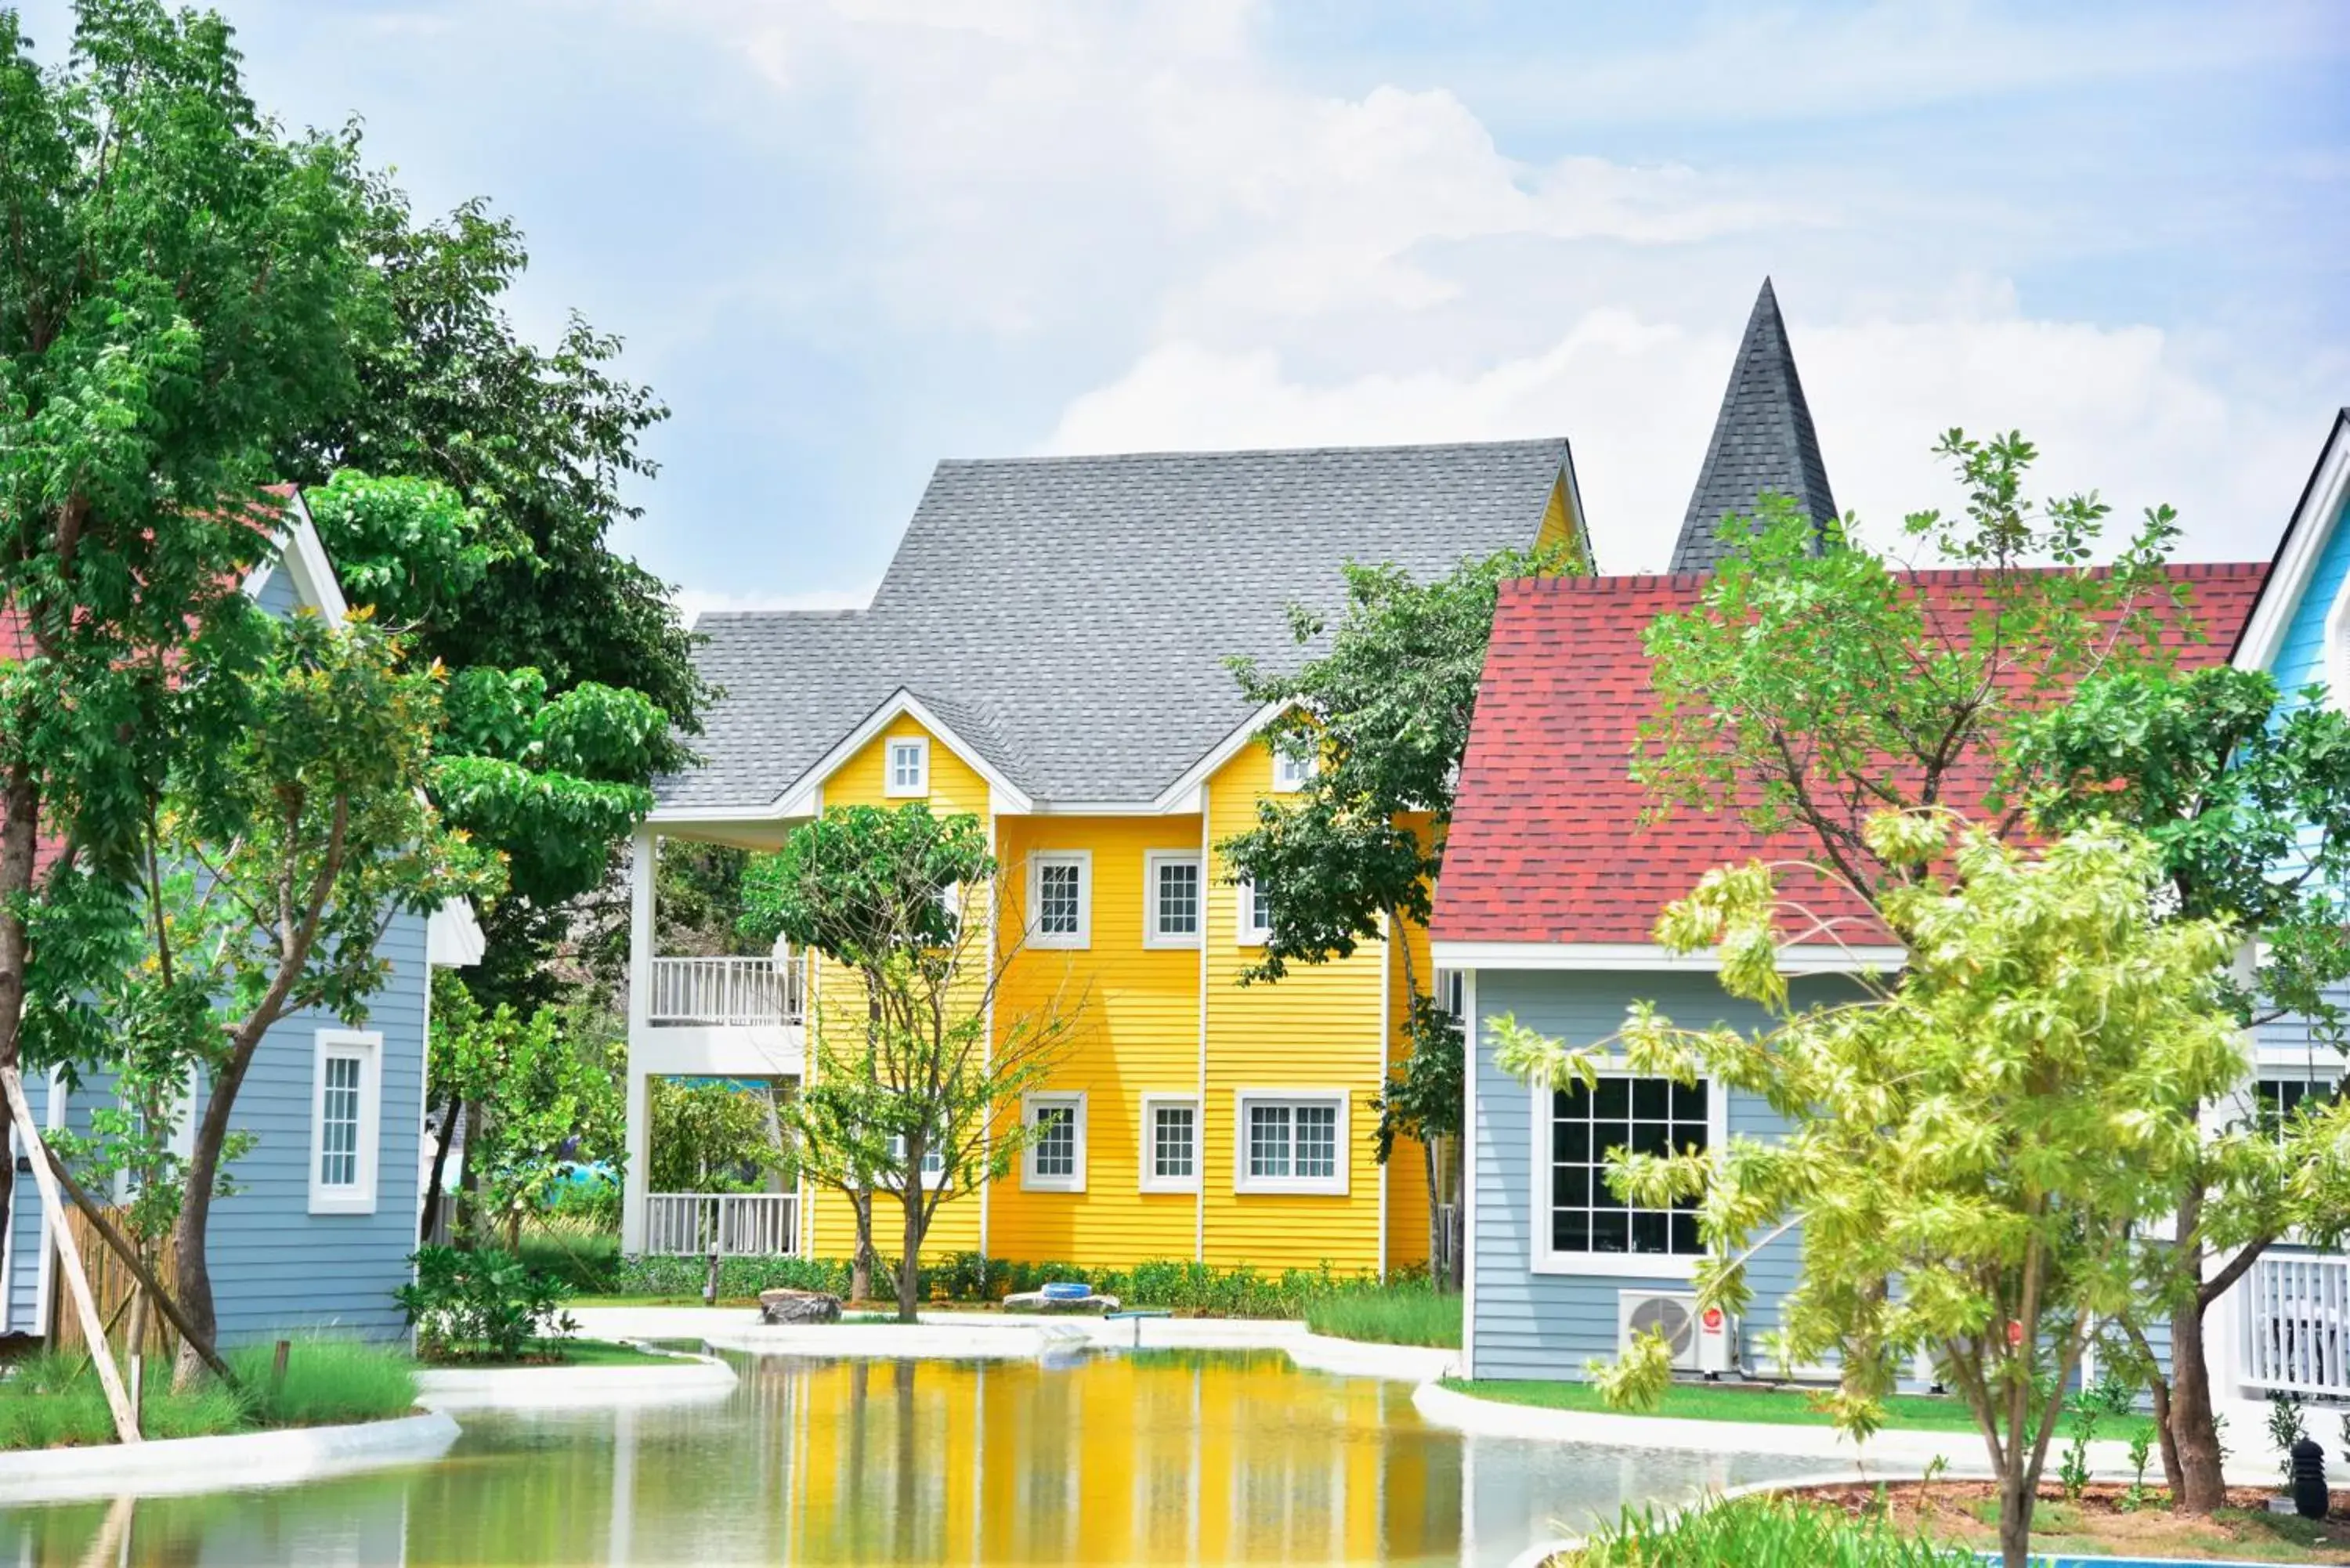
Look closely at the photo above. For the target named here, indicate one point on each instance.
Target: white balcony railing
(736, 1224)
(2297, 1324)
(728, 991)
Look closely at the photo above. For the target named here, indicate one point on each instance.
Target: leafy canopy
(1971, 1146)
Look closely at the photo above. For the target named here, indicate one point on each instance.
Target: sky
(843, 239)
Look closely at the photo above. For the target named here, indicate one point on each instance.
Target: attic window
(909, 767)
(1292, 770)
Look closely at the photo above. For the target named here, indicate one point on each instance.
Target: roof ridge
(1929, 576)
(1160, 453)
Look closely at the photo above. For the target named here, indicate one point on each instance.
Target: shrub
(1760, 1532)
(737, 1277)
(482, 1305)
(586, 1261)
(328, 1381)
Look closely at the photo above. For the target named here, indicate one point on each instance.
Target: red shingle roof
(1547, 841)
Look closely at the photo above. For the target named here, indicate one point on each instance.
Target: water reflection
(1152, 1457)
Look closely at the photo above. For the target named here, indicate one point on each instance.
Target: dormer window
(1292, 769)
(909, 767)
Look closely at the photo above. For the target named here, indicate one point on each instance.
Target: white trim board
(303, 554)
(798, 798)
(1810, 959)
(2296, 557)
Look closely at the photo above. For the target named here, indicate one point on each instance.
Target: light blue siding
(278, 595)
(1548, 1325)
(2301, 656)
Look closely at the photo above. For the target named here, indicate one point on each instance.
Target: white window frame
(1083, 859)
(920, 746)
(1292, 773)
(1151, 1181)
(1075, 1101)
(1542, 1259)
(1153, 936)
(367, 1046)
(1247, 933)
(1333, 1186)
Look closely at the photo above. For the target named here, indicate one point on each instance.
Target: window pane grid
(1178, 898)
(1056, 1141)
(906, 765)
(1057, 898)
(1316, 1152)
(1171, 1141)
(338, 1124)
(1269, 1140)
(1647, 1115)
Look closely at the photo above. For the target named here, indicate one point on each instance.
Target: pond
(1160, 1456)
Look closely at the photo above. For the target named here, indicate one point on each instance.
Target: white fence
(728, 991)
(737, 1224)
(2296, 1318)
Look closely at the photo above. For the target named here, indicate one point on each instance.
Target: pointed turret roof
(1762, 441)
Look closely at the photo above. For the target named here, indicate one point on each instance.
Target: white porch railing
(2297, 1310)
(737, 1224)
(728, 991)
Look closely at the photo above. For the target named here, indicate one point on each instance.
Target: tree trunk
(2014, 1516)
(909, 1259)
(514, 1231)
(2165, 1435)
(468, 1213)
(860, 1262)
(1439, 1268)
(2200, 1488)
(440, 1168)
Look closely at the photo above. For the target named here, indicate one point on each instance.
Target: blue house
(328, 1200)
(1552, 880)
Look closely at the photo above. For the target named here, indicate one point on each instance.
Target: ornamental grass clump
(1765, 1530)
(327, 1382)
(54, 1401)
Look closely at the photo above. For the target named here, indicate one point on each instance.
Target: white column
(642, 850)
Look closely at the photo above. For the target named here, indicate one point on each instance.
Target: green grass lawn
(1387, 1315)
(55, 1401)
(567, 1353)
(1764, 1406)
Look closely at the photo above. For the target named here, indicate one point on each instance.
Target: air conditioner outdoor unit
(1703, 1342)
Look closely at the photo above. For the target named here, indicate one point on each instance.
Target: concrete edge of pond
(1542, 1551)
(1890, 1455)
(685, 1379)
(172, 1466)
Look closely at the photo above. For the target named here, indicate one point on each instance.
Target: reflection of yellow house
(1046, 653)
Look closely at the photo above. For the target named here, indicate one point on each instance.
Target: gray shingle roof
(1762, 441)
(1070, 618)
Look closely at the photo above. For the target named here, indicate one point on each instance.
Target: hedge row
(1241, 1292)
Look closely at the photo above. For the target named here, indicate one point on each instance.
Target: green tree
(554, 780)
(273, 867)
(715, 1138)
(1809, 689)
(537, 445)
(176, 289)
(909, 1098)
(1972, 1147)
(1384, 713)
(2247, 803)
(538, 1099)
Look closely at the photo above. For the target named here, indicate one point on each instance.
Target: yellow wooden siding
(1137, 1032)
(1317, 1029)
(1561, 528)
(955, 788)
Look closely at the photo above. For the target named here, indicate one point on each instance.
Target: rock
(798, 1306)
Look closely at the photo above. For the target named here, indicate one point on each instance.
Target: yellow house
(1047, 653)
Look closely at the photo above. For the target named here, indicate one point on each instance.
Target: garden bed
(2107, 1521)
(1759, 1405)
(556, 1353)
(54, 1401)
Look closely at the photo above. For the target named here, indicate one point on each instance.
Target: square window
(1054, 1160)
(1172, 904)
(1060, 898)
(1647, 1116)
(1292, 1141)
(1295, 764)
(909, 767)
(1170, 1144)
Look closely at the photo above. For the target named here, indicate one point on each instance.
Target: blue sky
(845, 240)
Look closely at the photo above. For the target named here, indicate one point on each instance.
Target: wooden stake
(277, 1367)
(53, 1211)
(121, 1247)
